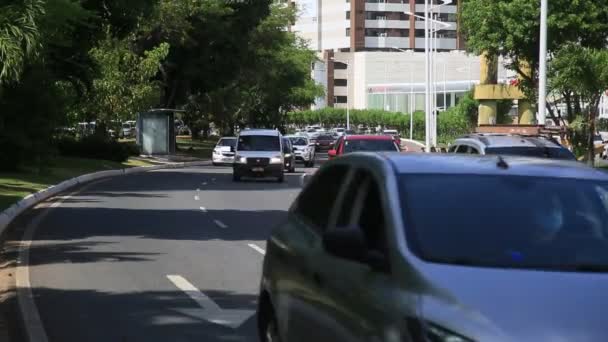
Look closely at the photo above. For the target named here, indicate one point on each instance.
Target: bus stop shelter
(156, 132)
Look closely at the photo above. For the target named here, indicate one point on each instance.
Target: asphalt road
(171, 255)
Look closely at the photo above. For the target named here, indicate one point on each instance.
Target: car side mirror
(332, 153)
(346, 242)
(349, 243)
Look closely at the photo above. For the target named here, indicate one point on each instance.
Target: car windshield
(507, 221)
(227, 142)
(259, 143)
(369, 146)
(298, 141)
(543, 152)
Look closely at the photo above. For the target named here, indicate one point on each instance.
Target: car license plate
(257, 169)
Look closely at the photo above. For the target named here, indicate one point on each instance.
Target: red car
(363, 143)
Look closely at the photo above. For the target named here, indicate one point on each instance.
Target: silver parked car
(511, 144)
(303, 149)
(429, 248)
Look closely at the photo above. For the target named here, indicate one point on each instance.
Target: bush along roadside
(95, 147)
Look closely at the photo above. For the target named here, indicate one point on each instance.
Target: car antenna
(502, 163)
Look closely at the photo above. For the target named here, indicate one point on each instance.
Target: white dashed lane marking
(257, 248)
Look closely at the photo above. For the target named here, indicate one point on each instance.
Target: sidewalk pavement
(167, 159)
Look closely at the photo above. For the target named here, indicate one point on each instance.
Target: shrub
(93, 147)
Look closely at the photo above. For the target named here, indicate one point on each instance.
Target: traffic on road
(501, 238)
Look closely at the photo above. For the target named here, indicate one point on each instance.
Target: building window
(340, 82)
(348, 15)
(340, 66)
(447, 34)
(348, 31)
(374, 32)
(419, 33)
(341, 99)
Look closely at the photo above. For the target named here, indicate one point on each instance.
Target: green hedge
(94, 147)
(450, 124)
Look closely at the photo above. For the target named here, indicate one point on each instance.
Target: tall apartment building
(371, 53)
(372, 25)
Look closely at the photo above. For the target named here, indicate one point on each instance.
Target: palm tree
(19, 36)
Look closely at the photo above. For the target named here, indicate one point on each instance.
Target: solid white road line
(203, 209)
(193, 292)
(257, 248)
(34, 328)
(220, 224)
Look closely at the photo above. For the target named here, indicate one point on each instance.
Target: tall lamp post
(542, 65)
(347, 91)
(411, 67)
(427, 69)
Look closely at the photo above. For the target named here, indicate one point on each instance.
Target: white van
(258, 153)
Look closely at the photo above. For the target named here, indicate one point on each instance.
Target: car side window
(286, 146)
(337, 143)
(372, 220)
(362, 206)
(347, 205)
(462, 149)
(317, 200)
(453, 149)
(473, 150)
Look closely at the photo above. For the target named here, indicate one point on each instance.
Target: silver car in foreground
(438, 248)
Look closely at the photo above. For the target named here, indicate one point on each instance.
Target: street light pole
(427, 68)
(427, 83)
(542, 72)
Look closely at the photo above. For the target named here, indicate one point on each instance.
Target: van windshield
(259, 143)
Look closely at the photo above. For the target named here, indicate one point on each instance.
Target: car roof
(227, 138)
(296, 136)
(509, 140)
(268, 132)
(414, 163)
(368, 137)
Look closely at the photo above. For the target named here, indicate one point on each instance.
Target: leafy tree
(19, 36)
(583, 71)
(510, 28)
(124, 86)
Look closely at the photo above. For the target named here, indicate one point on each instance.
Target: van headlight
(240, 159)
(276, 160)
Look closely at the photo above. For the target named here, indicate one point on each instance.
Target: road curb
(33, 327)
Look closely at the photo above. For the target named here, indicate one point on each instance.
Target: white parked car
(303, 149)
(223, 153)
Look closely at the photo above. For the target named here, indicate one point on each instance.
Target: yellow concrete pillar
(487, 112)
(525, 108)
(488, 69)
(525, 112)
(488, 75)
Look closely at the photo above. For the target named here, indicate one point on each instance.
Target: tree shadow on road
(143, 316)
(81, 252)
(70, 223)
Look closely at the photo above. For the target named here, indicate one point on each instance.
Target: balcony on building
(441, 43)
(387, 5)
(340, 91)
